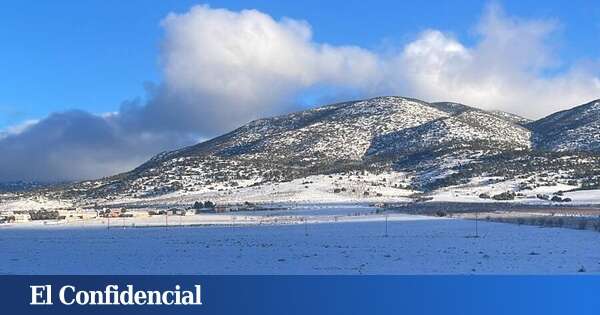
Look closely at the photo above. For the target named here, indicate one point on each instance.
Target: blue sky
(92, 55)
(94, 88)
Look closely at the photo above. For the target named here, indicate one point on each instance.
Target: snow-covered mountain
(333, 138)
(335, 133)
(400, 145)
(576, 129)
(464, 129)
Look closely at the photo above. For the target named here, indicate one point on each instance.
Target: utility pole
(386, 225)
(166, 220)
(476, 222)
(305, 228)
(108, 222)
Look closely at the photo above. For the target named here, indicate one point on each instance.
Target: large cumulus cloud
(223, 68)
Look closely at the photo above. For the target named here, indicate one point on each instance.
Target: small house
(176, 211)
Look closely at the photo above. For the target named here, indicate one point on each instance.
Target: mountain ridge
(434, 145)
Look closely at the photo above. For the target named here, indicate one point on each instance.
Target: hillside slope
(576, 129)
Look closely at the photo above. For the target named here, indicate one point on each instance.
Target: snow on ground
(585, 196)
(297, 215)
(470, 192)
(495, 185)
(352, 244)
(338, 188)
(335, 188)
(34, 203)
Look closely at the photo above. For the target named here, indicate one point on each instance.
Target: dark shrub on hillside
(556, 199)
(542, 196)
(559, 199)
(206, 204)
(43, 215)
(509, 195)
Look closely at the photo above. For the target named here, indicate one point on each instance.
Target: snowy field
(350, 241)
(321, 189)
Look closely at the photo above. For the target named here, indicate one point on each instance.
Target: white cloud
(506, 69)
(18, 128)
(226, 68)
